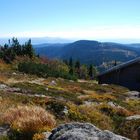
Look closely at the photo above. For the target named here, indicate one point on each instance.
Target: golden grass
(39, 136)
(29, 119)
(92, 95)
(4, 66)
(133, 105)
(88, 113)
(5, 104)
(3, 78)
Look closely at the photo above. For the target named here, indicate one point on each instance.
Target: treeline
(9, 51)
(44, 67)
(81, 71)
(56, 68)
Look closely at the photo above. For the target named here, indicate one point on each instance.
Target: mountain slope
(91, 52)
(49, 50)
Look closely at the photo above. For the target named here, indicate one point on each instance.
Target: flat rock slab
(82, 131)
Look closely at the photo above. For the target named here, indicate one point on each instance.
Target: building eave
(120, 66)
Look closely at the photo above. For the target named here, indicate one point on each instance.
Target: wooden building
(126, 74)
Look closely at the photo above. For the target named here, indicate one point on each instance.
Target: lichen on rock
(82, 131)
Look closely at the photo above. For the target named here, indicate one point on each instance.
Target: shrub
(108, 110)
(57, 107)
(111, 111)
(117, 114)
(45, 70)
(25, 121)
(84, 113)
(133, 105)
(129, 128)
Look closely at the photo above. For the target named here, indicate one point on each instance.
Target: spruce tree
(29, 49)
(16, 46)
(77, 64)
(71, 62)
(77, 68)
(71, 71)
(90, 71)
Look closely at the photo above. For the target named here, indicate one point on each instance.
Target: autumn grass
(98, 97)
(133, 105)
(39, 136)
(25, 121)
(29, 118)
(4, 66)
(84, 113)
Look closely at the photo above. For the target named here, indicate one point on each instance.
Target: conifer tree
(71, 71)
(77, 68)
(71, 62)
(16, 46)
(90, 72)
(29, 49)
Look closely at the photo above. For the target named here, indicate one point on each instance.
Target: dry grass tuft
(29, 119)
(4, 66)
(39, 136)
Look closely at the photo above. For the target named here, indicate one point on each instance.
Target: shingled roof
(120, 66)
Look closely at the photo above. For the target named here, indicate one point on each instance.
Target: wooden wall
(128, 77)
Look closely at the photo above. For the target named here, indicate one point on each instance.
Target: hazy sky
(85, 19)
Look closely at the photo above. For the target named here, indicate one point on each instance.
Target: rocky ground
(109, 109)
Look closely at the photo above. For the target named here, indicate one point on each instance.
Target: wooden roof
(120, 66)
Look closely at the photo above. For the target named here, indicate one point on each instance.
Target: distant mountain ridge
(90, 52)
(38, 40)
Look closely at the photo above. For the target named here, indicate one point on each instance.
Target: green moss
(30, 88)
(68, 96)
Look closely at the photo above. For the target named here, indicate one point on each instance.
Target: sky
(71, 19)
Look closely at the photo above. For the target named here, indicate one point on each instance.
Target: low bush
(129, 129)
(111, 111)
(133, 105)
(45, 70)
(86, 113)
(57, 107)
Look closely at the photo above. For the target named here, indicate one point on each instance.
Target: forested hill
(90, 52)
